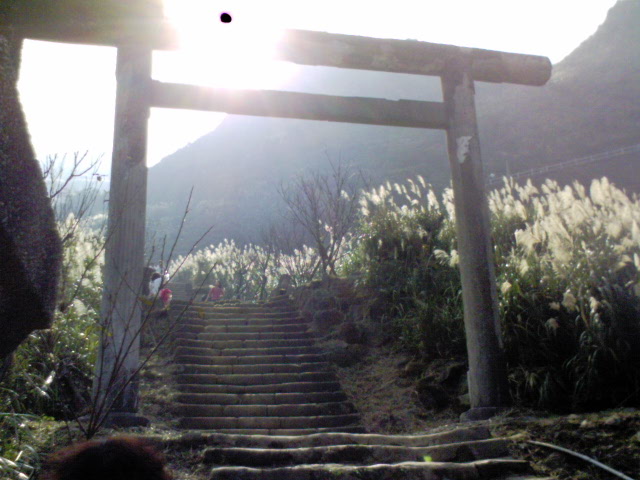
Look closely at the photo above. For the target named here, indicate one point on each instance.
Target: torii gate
(458, 68)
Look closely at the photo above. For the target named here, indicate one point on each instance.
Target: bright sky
(68, 91)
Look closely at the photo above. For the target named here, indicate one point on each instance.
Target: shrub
(247, 273)
(52, 369)
(401, 243)
(567, 265)
(569, 283)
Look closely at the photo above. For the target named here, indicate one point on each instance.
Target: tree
(326, 206)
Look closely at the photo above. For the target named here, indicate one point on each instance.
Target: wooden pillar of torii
(458, 68)
(116, 383)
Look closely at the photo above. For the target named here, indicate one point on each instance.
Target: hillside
(589, 106)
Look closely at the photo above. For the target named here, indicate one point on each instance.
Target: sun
(215, 51)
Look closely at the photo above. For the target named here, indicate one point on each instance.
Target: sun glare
(237, 54)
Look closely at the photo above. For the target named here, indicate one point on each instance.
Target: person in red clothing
(165, 296)
(216, 292)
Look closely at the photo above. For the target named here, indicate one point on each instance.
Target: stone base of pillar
(125, 419)
(480, 413)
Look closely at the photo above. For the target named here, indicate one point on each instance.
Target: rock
(326, 320)
(350, 333)
(464, 400)
(612, 420)
(413, 368)
(375, 335)
(463, 384)
(342, 288)
(344, 305)
(356, 311)
(377, 307)
(307, 316)
(342, 354)
(301, 295)
(453, 372)
(433, 397)
(321, 299)
(586, 423)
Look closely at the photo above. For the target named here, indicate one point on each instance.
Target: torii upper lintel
(305, 48)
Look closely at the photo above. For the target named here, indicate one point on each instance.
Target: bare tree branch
(326, 206)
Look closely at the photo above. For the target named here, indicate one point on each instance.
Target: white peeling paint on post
(462, 147)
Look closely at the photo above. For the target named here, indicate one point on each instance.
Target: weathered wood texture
(124, 254)
(309, 48)
(409, 56)
(487, 363)
(374, 111)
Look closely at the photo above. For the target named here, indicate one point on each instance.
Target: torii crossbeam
(458, 68)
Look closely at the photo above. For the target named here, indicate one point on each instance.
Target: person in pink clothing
(216, 292)
(165, 296)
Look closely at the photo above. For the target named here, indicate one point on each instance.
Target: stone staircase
(253, 369)
(261, 403)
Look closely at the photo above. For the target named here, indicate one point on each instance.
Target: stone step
(455, 435)
(258, 398)
(194, 347)
(247, 360)
(248, 320)
(231, 305)
(253, 379)
(478, 470)
(197, 320)
(265, 328)
(279, 432)
(292, 387)
(254, 369)
(253, 344)
(246, 329)
(252, 336)
(203, 311)
(525, 477)
(193, 334)
(300, 410)
(183, 340)
(324, 421)
(356, 454)
(215, 317)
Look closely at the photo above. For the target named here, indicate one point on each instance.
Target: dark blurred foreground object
(118, 458)
(30, 248)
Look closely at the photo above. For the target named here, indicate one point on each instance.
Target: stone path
(260, 402)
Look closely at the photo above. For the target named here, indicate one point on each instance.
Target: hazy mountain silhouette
(589, 105)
